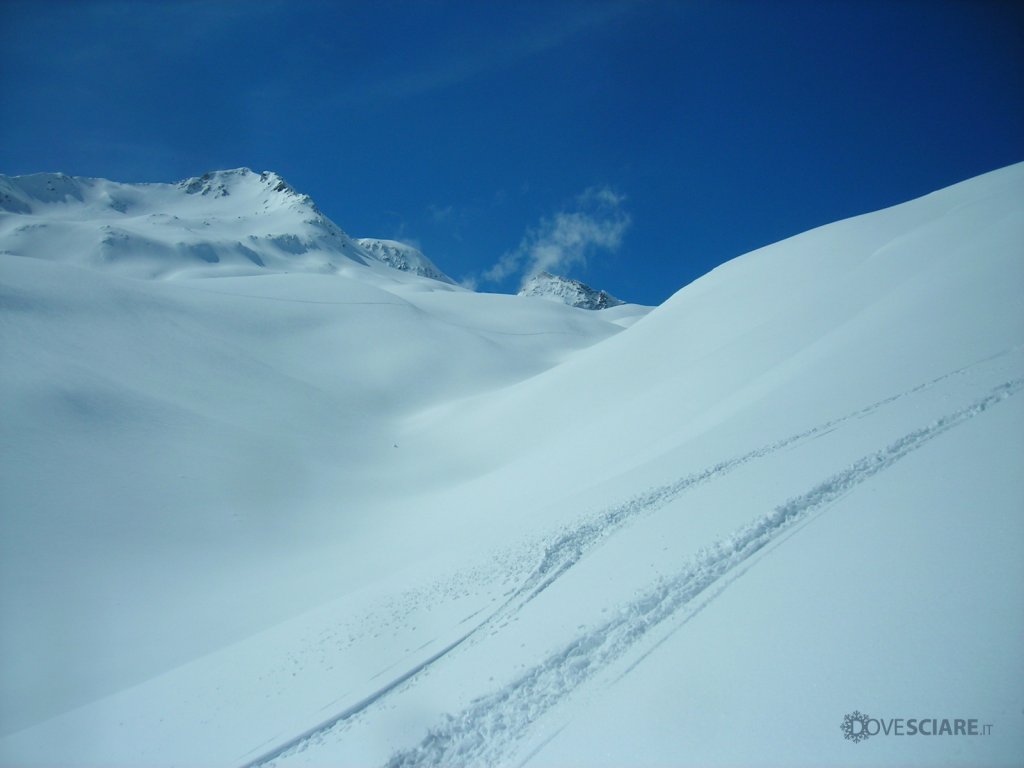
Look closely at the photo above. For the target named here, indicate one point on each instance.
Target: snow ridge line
(486, 731)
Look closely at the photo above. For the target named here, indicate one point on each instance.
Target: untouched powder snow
(363, 517)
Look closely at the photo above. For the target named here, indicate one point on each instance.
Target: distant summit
(223, 223)
(568, 291)
(402, 257)
(221, 184)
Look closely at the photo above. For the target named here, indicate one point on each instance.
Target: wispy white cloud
(596, 221)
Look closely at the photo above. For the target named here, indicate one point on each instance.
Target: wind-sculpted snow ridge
(486, 732)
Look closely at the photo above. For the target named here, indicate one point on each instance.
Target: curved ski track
(483, 732)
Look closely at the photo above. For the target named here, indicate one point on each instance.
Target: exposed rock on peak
(568, 291)
(402, 257)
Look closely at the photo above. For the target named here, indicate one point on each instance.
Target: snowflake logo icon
(847, 727)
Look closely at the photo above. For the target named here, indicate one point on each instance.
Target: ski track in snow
(485, 732)
(486, 720)
(572, 543)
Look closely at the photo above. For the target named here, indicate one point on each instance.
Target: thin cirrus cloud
(596, 221)
(485, 57)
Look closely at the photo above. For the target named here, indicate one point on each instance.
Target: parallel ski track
(485, 732)
(571, 544)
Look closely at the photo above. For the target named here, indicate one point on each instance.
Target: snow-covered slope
(196, 441)
(321, 520)
(568, 291)
(402, 256)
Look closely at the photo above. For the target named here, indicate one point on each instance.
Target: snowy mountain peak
(223, 223)
(266, 185)
(568, 291)
(215, 183)
(402, 257)
(223, 183)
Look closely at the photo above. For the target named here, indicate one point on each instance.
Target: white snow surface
(324, 512)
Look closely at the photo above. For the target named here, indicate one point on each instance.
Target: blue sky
(633, 145)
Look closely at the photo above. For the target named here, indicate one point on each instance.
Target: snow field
(352, 516)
